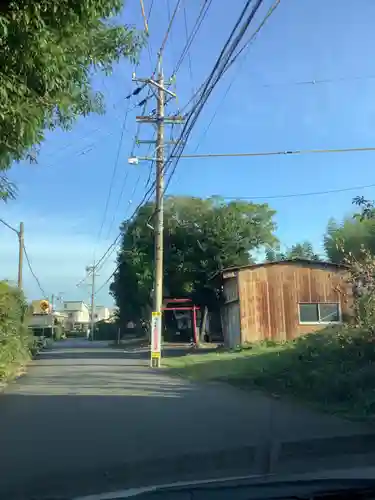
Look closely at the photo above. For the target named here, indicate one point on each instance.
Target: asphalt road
(87, 418)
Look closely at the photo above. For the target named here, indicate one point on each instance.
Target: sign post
(155, 339)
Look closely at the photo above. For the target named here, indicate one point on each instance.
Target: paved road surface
(86, 418)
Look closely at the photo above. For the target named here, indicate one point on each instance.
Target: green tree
(302, 250)
(49, 50)
(349, 237)
(201, 236)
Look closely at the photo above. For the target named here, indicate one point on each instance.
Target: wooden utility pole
(159, 88)
(21, 242)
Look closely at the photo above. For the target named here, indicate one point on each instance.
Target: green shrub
(15, 339)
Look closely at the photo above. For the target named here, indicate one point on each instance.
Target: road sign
(156, 335)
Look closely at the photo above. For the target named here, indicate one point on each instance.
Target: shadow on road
(85, 420)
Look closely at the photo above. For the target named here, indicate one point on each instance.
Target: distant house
(76, 313)
(281, 300)
(102, 313)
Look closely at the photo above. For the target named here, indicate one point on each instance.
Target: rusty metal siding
(269, 298)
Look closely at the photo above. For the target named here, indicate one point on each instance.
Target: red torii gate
(193, 308)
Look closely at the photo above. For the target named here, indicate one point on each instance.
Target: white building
(102, 313)
(76, 313)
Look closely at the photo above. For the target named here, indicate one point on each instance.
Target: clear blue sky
(62, 199)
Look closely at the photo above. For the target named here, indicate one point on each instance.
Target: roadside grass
(333, 370)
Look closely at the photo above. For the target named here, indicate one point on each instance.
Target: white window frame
(319, 322)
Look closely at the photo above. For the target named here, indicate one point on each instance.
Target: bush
(335, 368)
(15, 339)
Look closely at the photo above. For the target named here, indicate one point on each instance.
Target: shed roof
(315, 263)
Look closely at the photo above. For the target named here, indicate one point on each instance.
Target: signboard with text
(155, 335)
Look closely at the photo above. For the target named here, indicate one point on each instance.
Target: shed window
(319, 313)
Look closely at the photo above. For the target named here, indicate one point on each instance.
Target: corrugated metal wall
(269, 298)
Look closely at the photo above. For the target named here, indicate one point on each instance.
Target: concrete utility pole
(92, 315)
(21, 242)
(159, 195)
(159, 89)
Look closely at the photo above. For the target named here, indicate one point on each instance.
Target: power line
(32, 272)
(221, 65)
(147, 196)
(219, 68)
(298, 195)
(114, 170)
(275, 153)
(247, 44)
(198, 22)
(188, 54)
(255, 34)
(9, 226)
(169, 27)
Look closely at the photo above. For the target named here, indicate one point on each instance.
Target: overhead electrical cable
(186, 50)
(215, 75)
(246, 46)
(298, 195)
(188, 54)
(277, 153)
(167, 33)
(210, 83)
(32, 272)
(114, 171)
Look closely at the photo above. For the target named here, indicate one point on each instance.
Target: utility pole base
(155, 363)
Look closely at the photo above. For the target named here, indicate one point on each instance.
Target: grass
(334, 369)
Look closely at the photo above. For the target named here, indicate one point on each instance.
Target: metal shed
(282, 300)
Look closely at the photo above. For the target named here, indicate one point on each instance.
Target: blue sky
(62, 199)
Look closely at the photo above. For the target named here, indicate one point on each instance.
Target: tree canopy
(49, 50)
(201, 236)
(302, 250)
(350, 236)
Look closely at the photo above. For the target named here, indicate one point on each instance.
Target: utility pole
(159, 211)
(21, 242)
(159, 88)
(92, 315)
(52, 316)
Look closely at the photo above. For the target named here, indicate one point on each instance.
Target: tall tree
(304, 250)
(201, 236)
(48, 52)
(349, 237)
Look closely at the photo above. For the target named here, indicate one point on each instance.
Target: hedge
(16, 342)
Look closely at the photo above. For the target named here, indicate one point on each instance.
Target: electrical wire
(219, 68)
(198, 22)
(145, 199)
(32, 272)
(270, 11)
(136, 184)
(9, 226)
(147, 196)
(162, 47)
(298, 195)
(188, 53)
(246, 46)
(144, 103)
(114, 171)
(275, 153)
